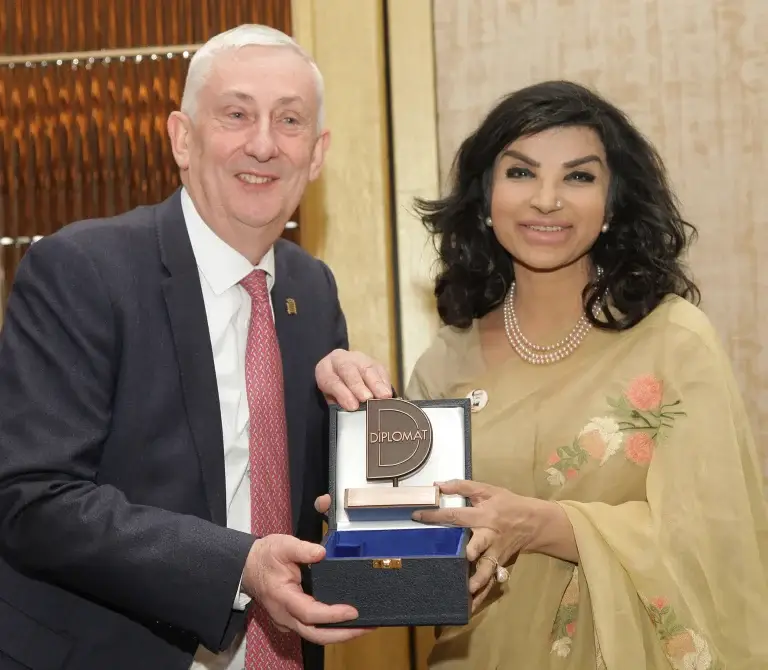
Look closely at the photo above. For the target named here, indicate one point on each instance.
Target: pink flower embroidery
(638, 420)
(645, 393)
(570, 628)
(679, 645)
(593, 443)
(683, 647)
(638, 448)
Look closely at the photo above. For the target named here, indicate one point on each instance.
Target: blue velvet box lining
(402, 543)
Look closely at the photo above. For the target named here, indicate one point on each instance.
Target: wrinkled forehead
(262, 75)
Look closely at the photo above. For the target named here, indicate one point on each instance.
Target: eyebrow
(245, 97)
(592, 158)
(240, 95)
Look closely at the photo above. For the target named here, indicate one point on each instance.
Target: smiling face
(549, 197)
(253, 143)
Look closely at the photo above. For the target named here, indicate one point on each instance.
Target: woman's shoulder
(683, 337)
(451, 351)
(681, 320)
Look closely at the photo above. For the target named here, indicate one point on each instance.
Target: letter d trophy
(398, 444)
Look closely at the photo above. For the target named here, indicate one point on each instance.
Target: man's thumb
(305, 552)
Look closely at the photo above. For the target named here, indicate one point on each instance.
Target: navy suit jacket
(115, 551)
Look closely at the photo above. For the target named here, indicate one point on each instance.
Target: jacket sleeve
(59, 354)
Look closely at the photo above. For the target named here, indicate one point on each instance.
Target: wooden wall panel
(42, 26)
(413, 109)
(346, 218)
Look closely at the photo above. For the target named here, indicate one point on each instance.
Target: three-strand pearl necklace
(552, 353)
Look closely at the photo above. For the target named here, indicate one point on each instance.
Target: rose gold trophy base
(395, 496)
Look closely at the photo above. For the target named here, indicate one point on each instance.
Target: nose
(261, 143)
(545, 199)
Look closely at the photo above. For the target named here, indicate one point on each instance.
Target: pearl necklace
(552, 353)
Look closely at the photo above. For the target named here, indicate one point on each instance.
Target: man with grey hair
(163, 378)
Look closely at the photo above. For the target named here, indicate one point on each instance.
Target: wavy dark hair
(641, 252)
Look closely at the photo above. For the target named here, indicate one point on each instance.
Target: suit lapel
(186, 311)
(291, 328)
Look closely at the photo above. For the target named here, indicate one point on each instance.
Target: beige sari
(643, 439)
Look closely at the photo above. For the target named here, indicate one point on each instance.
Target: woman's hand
(503, 524)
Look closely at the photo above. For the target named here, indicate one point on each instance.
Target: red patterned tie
(266, 647)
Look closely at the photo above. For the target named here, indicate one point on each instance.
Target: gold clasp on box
(388, 563)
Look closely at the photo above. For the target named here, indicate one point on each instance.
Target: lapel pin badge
(290, 306)
(478, 399)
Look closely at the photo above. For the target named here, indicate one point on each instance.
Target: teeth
(253, 179)
(546, 229)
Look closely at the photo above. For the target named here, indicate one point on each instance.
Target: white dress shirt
(228, 309)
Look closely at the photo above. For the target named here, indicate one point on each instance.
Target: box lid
(449, 457)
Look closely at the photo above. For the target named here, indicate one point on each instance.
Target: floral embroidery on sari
(685, 648)
(564, 627)
(639, 417)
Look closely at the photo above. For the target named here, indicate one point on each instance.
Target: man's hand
(350, 377)
(272, 577)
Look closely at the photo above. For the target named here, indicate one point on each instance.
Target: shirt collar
(220, 264)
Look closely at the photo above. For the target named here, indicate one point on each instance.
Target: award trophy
(398, 443)
(384, 461)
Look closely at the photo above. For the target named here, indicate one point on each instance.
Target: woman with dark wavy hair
(617, 509)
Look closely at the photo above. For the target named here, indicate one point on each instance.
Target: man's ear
(179, 131)
(318, 154)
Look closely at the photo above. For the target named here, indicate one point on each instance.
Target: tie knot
(255, 284)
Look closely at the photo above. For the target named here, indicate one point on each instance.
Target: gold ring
(500, 572)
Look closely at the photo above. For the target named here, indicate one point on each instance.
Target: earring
(605, 227)
(488, 222)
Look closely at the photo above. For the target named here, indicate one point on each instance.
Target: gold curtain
(84, 137)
